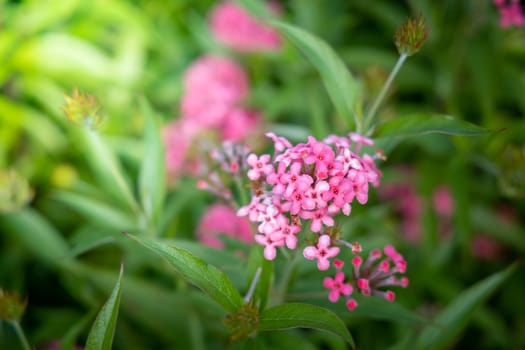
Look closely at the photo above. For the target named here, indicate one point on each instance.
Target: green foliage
(197, 272)
(101, 335)
(293, 315)
(77, 189)
(341, 86)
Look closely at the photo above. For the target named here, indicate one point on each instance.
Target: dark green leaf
(38, 235)
(457, 314)
(296, 315)
(420, 124)
(341, 86)
(101, 335)
(197, 272)
(381, 309)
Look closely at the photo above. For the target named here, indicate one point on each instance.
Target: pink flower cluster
(368, 276)
(222, 219)
(214, 87)
(310, 182)
(511, 13)
(233, 27)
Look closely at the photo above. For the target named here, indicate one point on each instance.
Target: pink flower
(177, 137)
(309, 181)
(218, 78)
(221, 219)
(321, 155)
(259, 166)
(337, 286)
(510, 13)
(322, 252)
(443, 202)
(270, 243)
(486, 248)
(318, 217)
(239, 123)
(232, 26)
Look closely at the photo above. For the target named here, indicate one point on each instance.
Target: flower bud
(83, 109)
(12, 306)
(15, 191)
(410, 36)
(243, 322)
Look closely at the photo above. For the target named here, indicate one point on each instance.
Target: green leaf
(38, 235)
(196, 271)
(101, 335)
(96, 210)
(152, 179)
(457, 314)
(381, 309)
(106, 168)
(341, 86)
(294, 315)
(420, 124)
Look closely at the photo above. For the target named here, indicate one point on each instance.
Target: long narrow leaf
(420, 124)
(197, 272)
(296, 315)
(37, 235)
(457, 314)
(107, 169)
(152, 182)
(101, 335)
(341, 86)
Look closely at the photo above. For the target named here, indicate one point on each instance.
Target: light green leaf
(38, 235)
(196, 271)
(341, 86)
(152, 179)
(97, 210)
(297, 315)
(457, 314)
(420, 124)
(101, 335)
(106, 168)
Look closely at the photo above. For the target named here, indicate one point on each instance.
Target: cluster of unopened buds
(368, 276)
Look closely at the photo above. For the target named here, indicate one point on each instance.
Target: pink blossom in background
(240, 123)
(234, 27)
(486, 248)
(218, 77)
(443, 202)
(222, 219)
(178, 136)
(511, 13)
(214, 87)
(408, 204)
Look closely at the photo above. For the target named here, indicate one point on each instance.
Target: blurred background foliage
(124, 51)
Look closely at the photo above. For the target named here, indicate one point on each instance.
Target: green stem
(242, 192)
(369, 119)
(285, 279)
(20, 333)
(253, 285)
